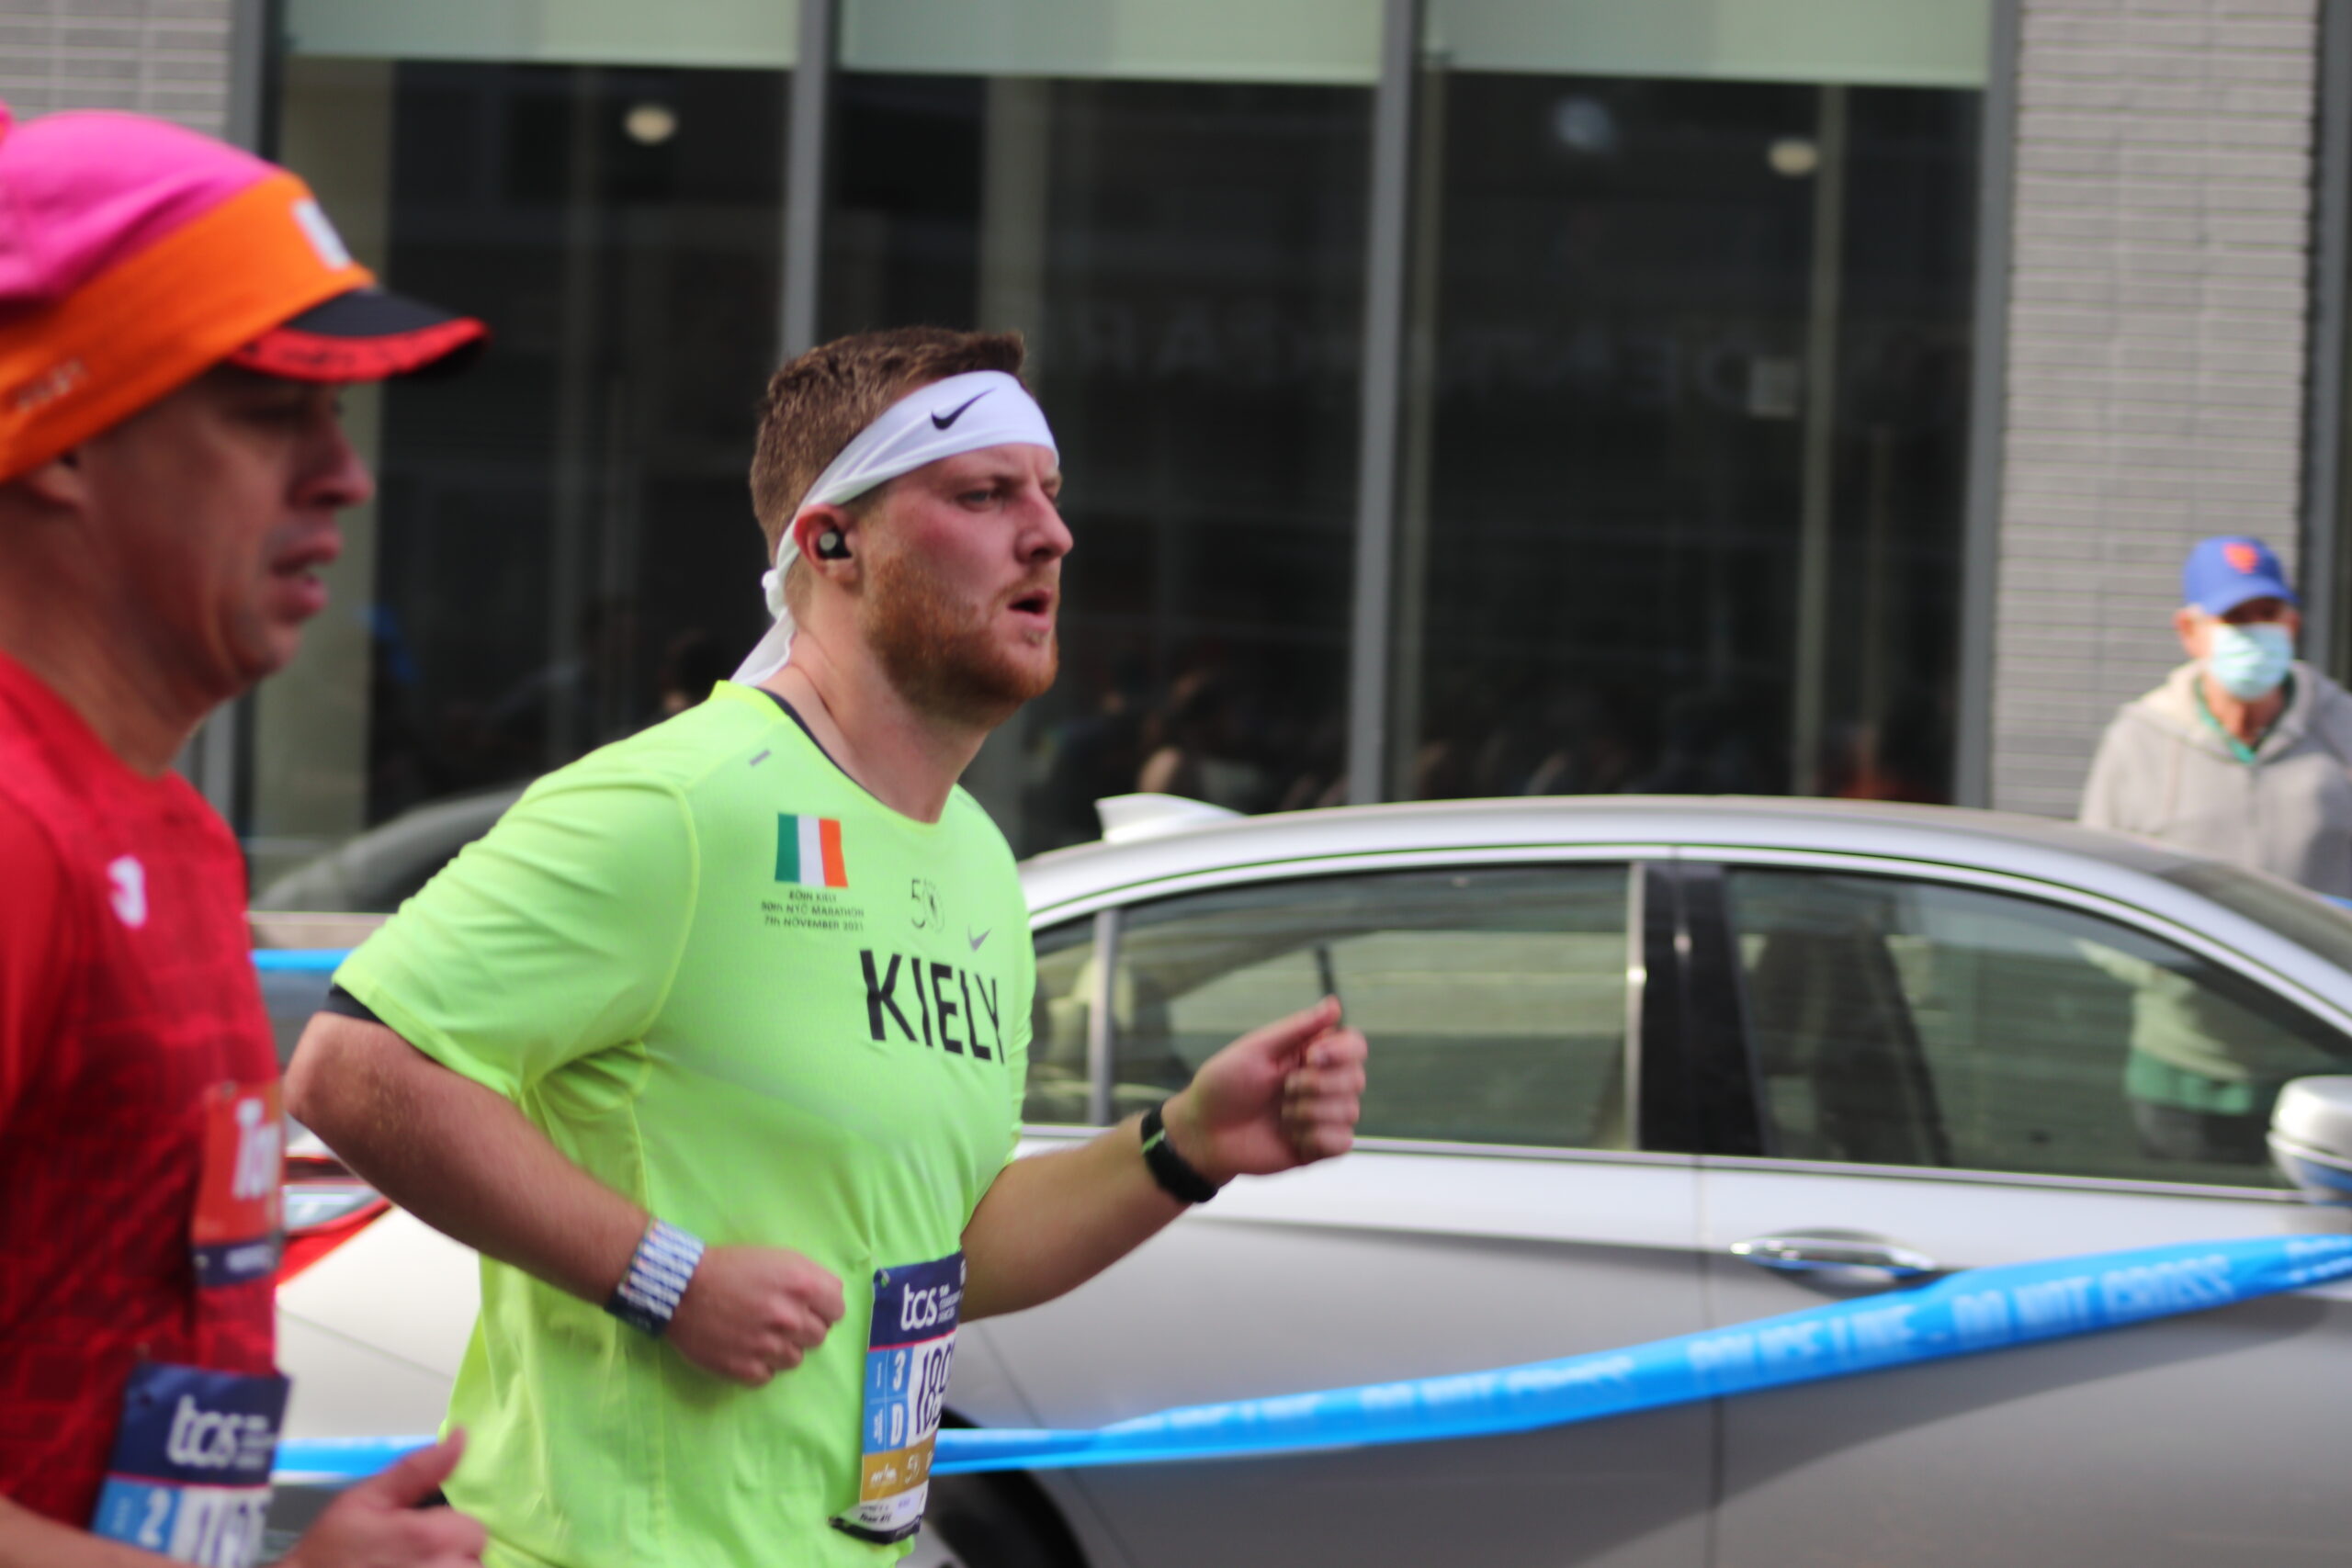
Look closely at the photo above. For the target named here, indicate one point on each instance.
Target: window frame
(1655, 1092)
(1723, 1057)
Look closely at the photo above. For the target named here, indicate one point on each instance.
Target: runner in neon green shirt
(715, 1046)
(634, 1005)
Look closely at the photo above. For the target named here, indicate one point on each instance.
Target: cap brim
(2244, 589)
(365, 335)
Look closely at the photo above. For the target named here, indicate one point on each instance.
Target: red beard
(940, 651)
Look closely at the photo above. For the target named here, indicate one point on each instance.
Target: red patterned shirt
(127, 993)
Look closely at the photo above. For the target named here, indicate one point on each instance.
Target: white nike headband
(940, 419)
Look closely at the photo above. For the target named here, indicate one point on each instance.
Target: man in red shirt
(176, 319)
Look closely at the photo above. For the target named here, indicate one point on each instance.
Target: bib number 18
(909, 1354)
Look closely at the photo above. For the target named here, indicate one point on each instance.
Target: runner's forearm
(1050, 1223)
(29, 1540)
(459, 1156)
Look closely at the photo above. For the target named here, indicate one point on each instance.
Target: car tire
(992, 1521)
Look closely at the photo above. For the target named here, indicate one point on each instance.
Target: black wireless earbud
(831, 545)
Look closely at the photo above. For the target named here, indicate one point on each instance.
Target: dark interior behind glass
(567, 549)
(1186, 260)
(1621, 469)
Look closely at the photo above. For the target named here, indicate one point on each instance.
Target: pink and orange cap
(135, 255)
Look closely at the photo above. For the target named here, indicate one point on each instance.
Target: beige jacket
(2163, 772)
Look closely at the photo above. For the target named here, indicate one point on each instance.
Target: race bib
(908, 1352)
(190, 1477)
(237, 1230)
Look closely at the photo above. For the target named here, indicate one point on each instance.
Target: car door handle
(1800, 1253)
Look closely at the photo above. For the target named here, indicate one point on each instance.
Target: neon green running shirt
(732, 984)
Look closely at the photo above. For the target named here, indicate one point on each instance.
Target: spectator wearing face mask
(2242, 754)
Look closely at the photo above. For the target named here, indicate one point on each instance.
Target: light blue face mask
(2249, 661)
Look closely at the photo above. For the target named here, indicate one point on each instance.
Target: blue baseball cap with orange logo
(2226, 570)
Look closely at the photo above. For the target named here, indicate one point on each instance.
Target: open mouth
(298, 572)
(1039, 602)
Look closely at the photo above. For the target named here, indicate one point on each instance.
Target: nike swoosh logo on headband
(940, 422)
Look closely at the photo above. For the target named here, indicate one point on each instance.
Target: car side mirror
(2311, 1138)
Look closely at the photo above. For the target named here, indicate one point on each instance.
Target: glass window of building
(1682, 465)
(1169, 202)
(562, 548)
(1679, 480)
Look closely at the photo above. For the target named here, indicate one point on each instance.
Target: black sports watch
(1171, 1170)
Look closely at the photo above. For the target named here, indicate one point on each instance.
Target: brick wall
(2156, 346)
(164, 56)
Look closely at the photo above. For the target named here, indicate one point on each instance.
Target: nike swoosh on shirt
(940, 422)
(975, 940)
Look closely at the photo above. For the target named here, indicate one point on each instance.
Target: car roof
(365, 870)
(2033, 846)
(1185, 843)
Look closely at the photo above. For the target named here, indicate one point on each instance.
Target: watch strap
(1171, 1170)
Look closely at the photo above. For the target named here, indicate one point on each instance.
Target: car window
(1908, 1022)
(1494, 997)
(1058, 1023)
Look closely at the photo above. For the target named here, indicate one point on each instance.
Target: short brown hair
(817, 402)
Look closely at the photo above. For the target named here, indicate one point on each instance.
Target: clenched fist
(1279, 1096)
(753, 1311)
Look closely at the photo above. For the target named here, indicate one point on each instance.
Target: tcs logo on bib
(927, 1308)
(217, 1440)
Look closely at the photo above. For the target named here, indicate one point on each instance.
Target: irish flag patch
(808, 851)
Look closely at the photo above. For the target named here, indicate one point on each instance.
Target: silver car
(1640, 1067)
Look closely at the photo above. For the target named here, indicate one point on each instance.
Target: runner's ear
(56, 483)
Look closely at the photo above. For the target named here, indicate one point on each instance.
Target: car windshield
(2306, 919)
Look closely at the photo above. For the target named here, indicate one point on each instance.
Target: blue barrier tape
(1963, 1314)
(299, 960)
(337, 1461)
